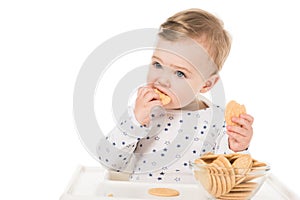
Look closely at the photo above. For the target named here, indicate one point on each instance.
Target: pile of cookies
(229, 176)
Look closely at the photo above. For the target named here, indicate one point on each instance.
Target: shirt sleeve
(116, 150)
(222, 145)
(127, 133)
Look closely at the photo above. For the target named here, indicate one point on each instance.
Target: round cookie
(163, 192)
(202, 175)
(229, 172)
(233, 109)
(216, 188)
(223, 178)
(242, 166)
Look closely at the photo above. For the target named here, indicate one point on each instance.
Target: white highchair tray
(96, 183)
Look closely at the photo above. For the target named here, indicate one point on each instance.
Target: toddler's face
(172, 72)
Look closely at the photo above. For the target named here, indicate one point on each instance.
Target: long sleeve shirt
(162, 151)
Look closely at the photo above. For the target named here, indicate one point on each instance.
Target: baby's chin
(173, 106)
(192, 105)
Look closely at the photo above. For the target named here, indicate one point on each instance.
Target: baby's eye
(180, 74)
(157, 65)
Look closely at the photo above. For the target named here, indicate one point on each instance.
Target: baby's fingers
(154, 103)
(237, 142)
(150, 95)
(242, 122)
(247, 117)
(142, 91)
(236, 136)
(238, 130)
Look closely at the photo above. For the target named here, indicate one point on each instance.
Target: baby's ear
(209, 83)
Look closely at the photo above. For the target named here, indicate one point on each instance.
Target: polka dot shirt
(162, 151)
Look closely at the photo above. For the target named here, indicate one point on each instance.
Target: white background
(42, 48)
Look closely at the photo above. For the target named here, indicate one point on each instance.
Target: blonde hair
(203, 27)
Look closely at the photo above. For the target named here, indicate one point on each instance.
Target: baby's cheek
(183, 95)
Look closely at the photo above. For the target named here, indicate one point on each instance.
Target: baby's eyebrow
(157, 58)
(174, 66)
(181, 68)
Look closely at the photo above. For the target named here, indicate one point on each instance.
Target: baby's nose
(164, 81)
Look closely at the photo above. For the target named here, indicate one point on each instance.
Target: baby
(156, 143)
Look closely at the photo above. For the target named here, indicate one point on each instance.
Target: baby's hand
(145, 101)
(240, 136)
